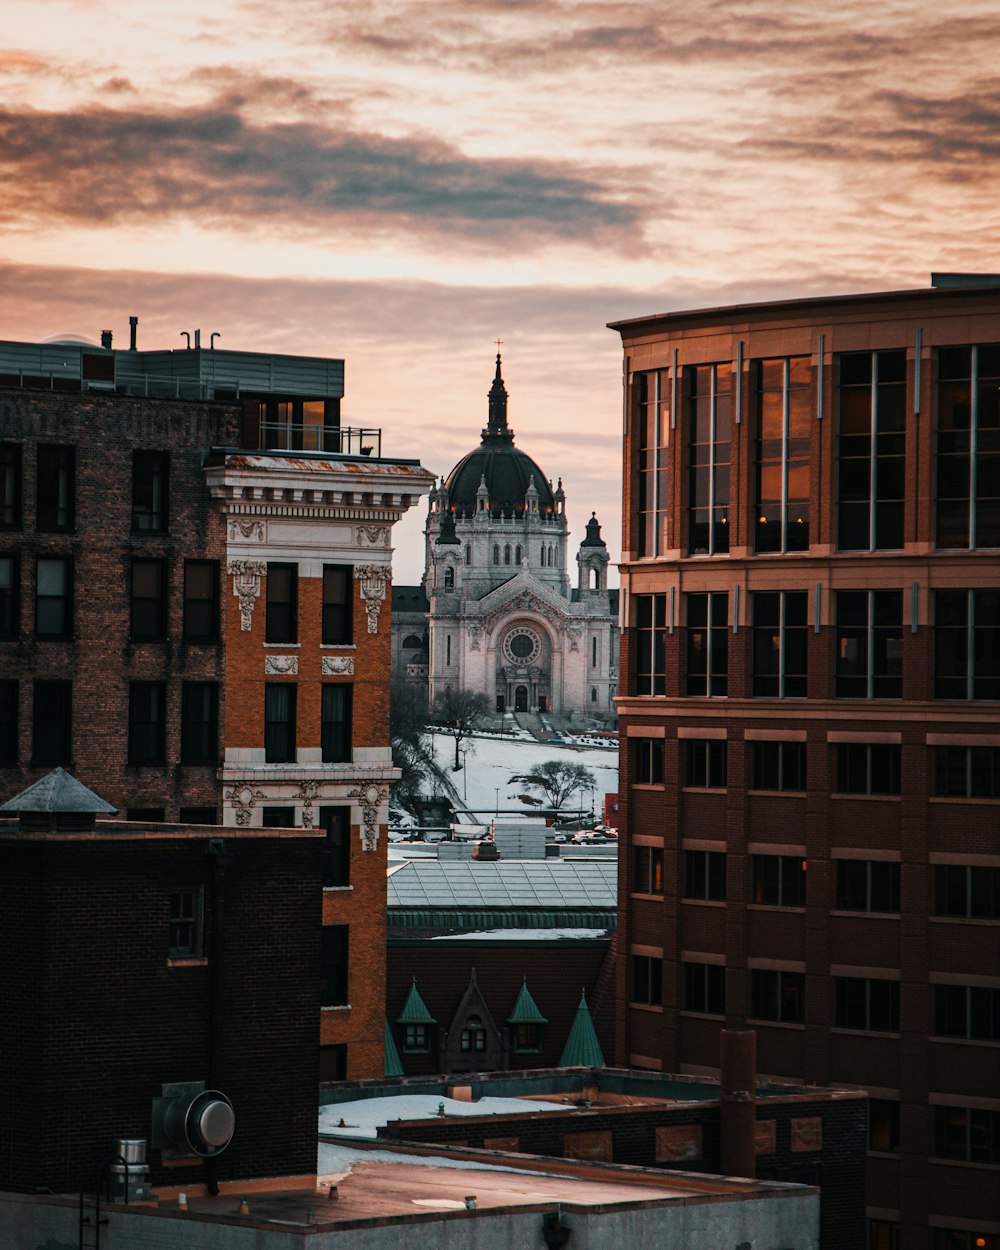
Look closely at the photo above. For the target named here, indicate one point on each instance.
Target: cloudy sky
(401, 182)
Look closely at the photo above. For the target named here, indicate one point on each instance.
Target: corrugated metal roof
(551, 885)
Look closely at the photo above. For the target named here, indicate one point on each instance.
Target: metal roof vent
(192, 1120)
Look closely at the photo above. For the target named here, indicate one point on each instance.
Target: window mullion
(784, 458)
(656, 463)
(711, 463)
(872, 455)
(973, 444)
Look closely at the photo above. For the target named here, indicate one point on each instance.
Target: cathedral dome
(506, 470)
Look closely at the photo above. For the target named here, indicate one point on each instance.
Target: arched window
(552, 556)
(541, 556)
(468, 554)
(449, 577)
(496, 553)
(506, 553)
(517, 556)
(412, 640)
(593, 579)
(593, 694)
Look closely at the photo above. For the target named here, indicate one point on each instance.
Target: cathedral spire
(497, 424)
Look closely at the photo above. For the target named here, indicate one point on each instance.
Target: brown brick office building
(809, 717)
(194, 613)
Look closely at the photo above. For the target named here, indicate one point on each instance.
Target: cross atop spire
(497, 422)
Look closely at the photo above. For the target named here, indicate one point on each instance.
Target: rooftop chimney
(106, 338)
(133, 329)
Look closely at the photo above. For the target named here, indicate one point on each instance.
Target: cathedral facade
(496, 612)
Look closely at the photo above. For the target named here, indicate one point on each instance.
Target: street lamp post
(496, 791)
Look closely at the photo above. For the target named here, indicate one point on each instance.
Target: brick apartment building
(194, 614)
(810, 751)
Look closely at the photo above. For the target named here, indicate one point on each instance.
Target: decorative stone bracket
(338, 665)
(281, 665)
(246, 575)
(370, 795)
(306, 792)
(243, 798)
(373, 579)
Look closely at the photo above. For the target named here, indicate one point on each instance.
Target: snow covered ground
(363, 1117)
(485, 784)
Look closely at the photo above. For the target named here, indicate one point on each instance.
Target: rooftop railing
(337, 440)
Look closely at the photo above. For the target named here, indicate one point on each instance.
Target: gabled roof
(525, 1008)
(582, 1049)
(393, 1063)
(415, 1009)
(58, 791)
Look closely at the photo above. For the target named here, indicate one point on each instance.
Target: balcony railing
(334, 439)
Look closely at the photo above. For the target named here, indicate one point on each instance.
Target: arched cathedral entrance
(524, 666)
(521, 699)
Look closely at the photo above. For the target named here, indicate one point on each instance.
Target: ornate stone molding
(246, 575)
(575, 633)
(243, 798)
(525, 601)
(370, 795)
(375, 535)
(281, 665)
(248, 531)
(338, 665)
(373, 578)
(475, 636)
(306, 792)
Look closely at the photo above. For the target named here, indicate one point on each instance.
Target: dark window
(779, 880)
(185, 924)
(779, 765)
(780, 643)
(871, 451)
(967, 772)
(147, 722)
(705, 763)
(705, 988)
(449, 577)
(969, 1011)
(473, 1036)
(277, 817)
(869, 644)
(201, 600)
(883, 1125)
(777, 995)
(279, 723)
(52, 723)
(336, 821)
(97, 368)
(150, 491)
(651, 418)
(783, 401)
(647, 761)
(968, 447)
(647, 864)
(9, 700)
(650, 644)
(282, 603)
(199, 722)
(526, 1039)
(967, 1133)
(333, 1062)
(149, 600)
(56, 488)
(301, 425)
(961, 1239)
(333, 986)
(198, 816)
(868, 768)
(54, 597)
(335, 730)
(647, 980)
(146, 815)
(709, 420)
(966, 891)
(967, 644)
(883, 1234)
(10, 486)
(863, 1003)
(705, 875)
(337, 604)
(707, 644)
(867, 885)
(415, 1039)
(10, 598)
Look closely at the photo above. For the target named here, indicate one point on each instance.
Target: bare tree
(457, 713)
(558, 780)
(407, 734)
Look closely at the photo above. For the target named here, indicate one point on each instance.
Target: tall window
(56, 488)
(709, 422)
(868, 768)
(52, 723)
(967, 891)
(883, 1125)
(147, 722)
(707, 644)
(867, 885)
(779, 880)
(10, 599)
(54, 598)
(185, 923)
(449, 577)
(871, 451)
(199, 722)
(705, 988)
(968, 1011)
(334, 968)
(705, 875)
(148, 615)
(150, 491)
(782, 392)
(967, 1133)
(10, 486)
(647, 980)
(201, 600)
(968, 447)
(777, 995)
(647, 869)
(705, 763)
(336, 821)
(967, 644)
(473, 1036)
(650, 644)
(779, 765)
(967, 772)
(337, 604)
(647, 761)
(335, 729)
(651, 417)
(9, 692)
(866, 1003)
(869, 644)
(780, 643)
(282, 603)
(279, 722)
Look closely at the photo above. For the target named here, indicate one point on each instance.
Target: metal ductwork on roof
(192, 1120)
